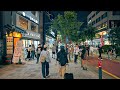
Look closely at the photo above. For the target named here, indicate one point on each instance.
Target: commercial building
(16, 25)
(104, 21)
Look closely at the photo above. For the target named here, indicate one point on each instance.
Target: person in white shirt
(45, 64)
(91, 50)
(53, 51)
(76, 52)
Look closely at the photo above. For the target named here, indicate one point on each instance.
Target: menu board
(9, 45)
(18, 52)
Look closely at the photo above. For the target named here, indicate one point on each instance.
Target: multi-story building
(104, 21)
(26, 26)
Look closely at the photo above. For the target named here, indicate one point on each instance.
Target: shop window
(23, 23)
(34, 27)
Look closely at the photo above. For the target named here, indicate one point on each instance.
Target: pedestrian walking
(100, 51)
(29, 53)
(53, 51)
(84, 61)
(63, 61)
(38, 51)
(32, 51)
(45, 60)
(88, 49)
(76, 52)
(91, 50)
(109, 53)
(72, 51)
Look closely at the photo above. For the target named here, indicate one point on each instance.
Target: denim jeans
(45, 69)
(38, 55)
(32, 54)
(75, 59)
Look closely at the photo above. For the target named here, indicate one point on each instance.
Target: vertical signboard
(9, 45)
(18, 52)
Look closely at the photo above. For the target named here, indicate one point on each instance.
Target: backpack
(43, 58)
(62, 59)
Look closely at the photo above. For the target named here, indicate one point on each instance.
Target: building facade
(19, 25)
(104, 21)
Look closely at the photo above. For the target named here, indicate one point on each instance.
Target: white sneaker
(47, 76)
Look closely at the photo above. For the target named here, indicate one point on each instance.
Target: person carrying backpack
(63, 61)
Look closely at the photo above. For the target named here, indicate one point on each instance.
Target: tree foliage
(67, 25)
(114, 36)
(90, 32)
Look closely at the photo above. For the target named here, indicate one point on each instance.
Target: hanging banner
(18, 52)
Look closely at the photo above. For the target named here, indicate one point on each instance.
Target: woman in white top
(91, 50)
(76, 52)
(45, 64)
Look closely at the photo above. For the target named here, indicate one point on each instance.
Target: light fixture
(23, 13)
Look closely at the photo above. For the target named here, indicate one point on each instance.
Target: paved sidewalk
(31, 70)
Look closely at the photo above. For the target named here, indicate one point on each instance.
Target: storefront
(31, 38)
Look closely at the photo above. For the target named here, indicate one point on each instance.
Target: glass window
(104, 15)
(22, 23)
(116, 12)
(33, 12)
(34, 27)
(93, 15)
(89, 19)
(97, 12)
(98, 19)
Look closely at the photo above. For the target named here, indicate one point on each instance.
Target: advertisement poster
(9, 45)
(18, 52)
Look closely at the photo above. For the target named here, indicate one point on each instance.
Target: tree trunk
(92, 42)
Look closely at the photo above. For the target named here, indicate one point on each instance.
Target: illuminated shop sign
(31, 34)
(29, 16)
(23, 13)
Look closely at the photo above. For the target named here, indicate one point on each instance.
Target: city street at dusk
(59, 44)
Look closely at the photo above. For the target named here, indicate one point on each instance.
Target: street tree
(90, 32)
(114, 36)
(67, 25)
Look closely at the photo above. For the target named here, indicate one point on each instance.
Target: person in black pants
(100, 52)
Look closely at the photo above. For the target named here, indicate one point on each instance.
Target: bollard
(100, 69)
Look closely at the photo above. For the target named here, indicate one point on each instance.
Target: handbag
(42, 59)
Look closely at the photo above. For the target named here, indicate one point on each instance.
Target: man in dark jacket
(100, 50)
(63, 60)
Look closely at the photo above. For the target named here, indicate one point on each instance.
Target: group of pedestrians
(32, 52)
(64, 56)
